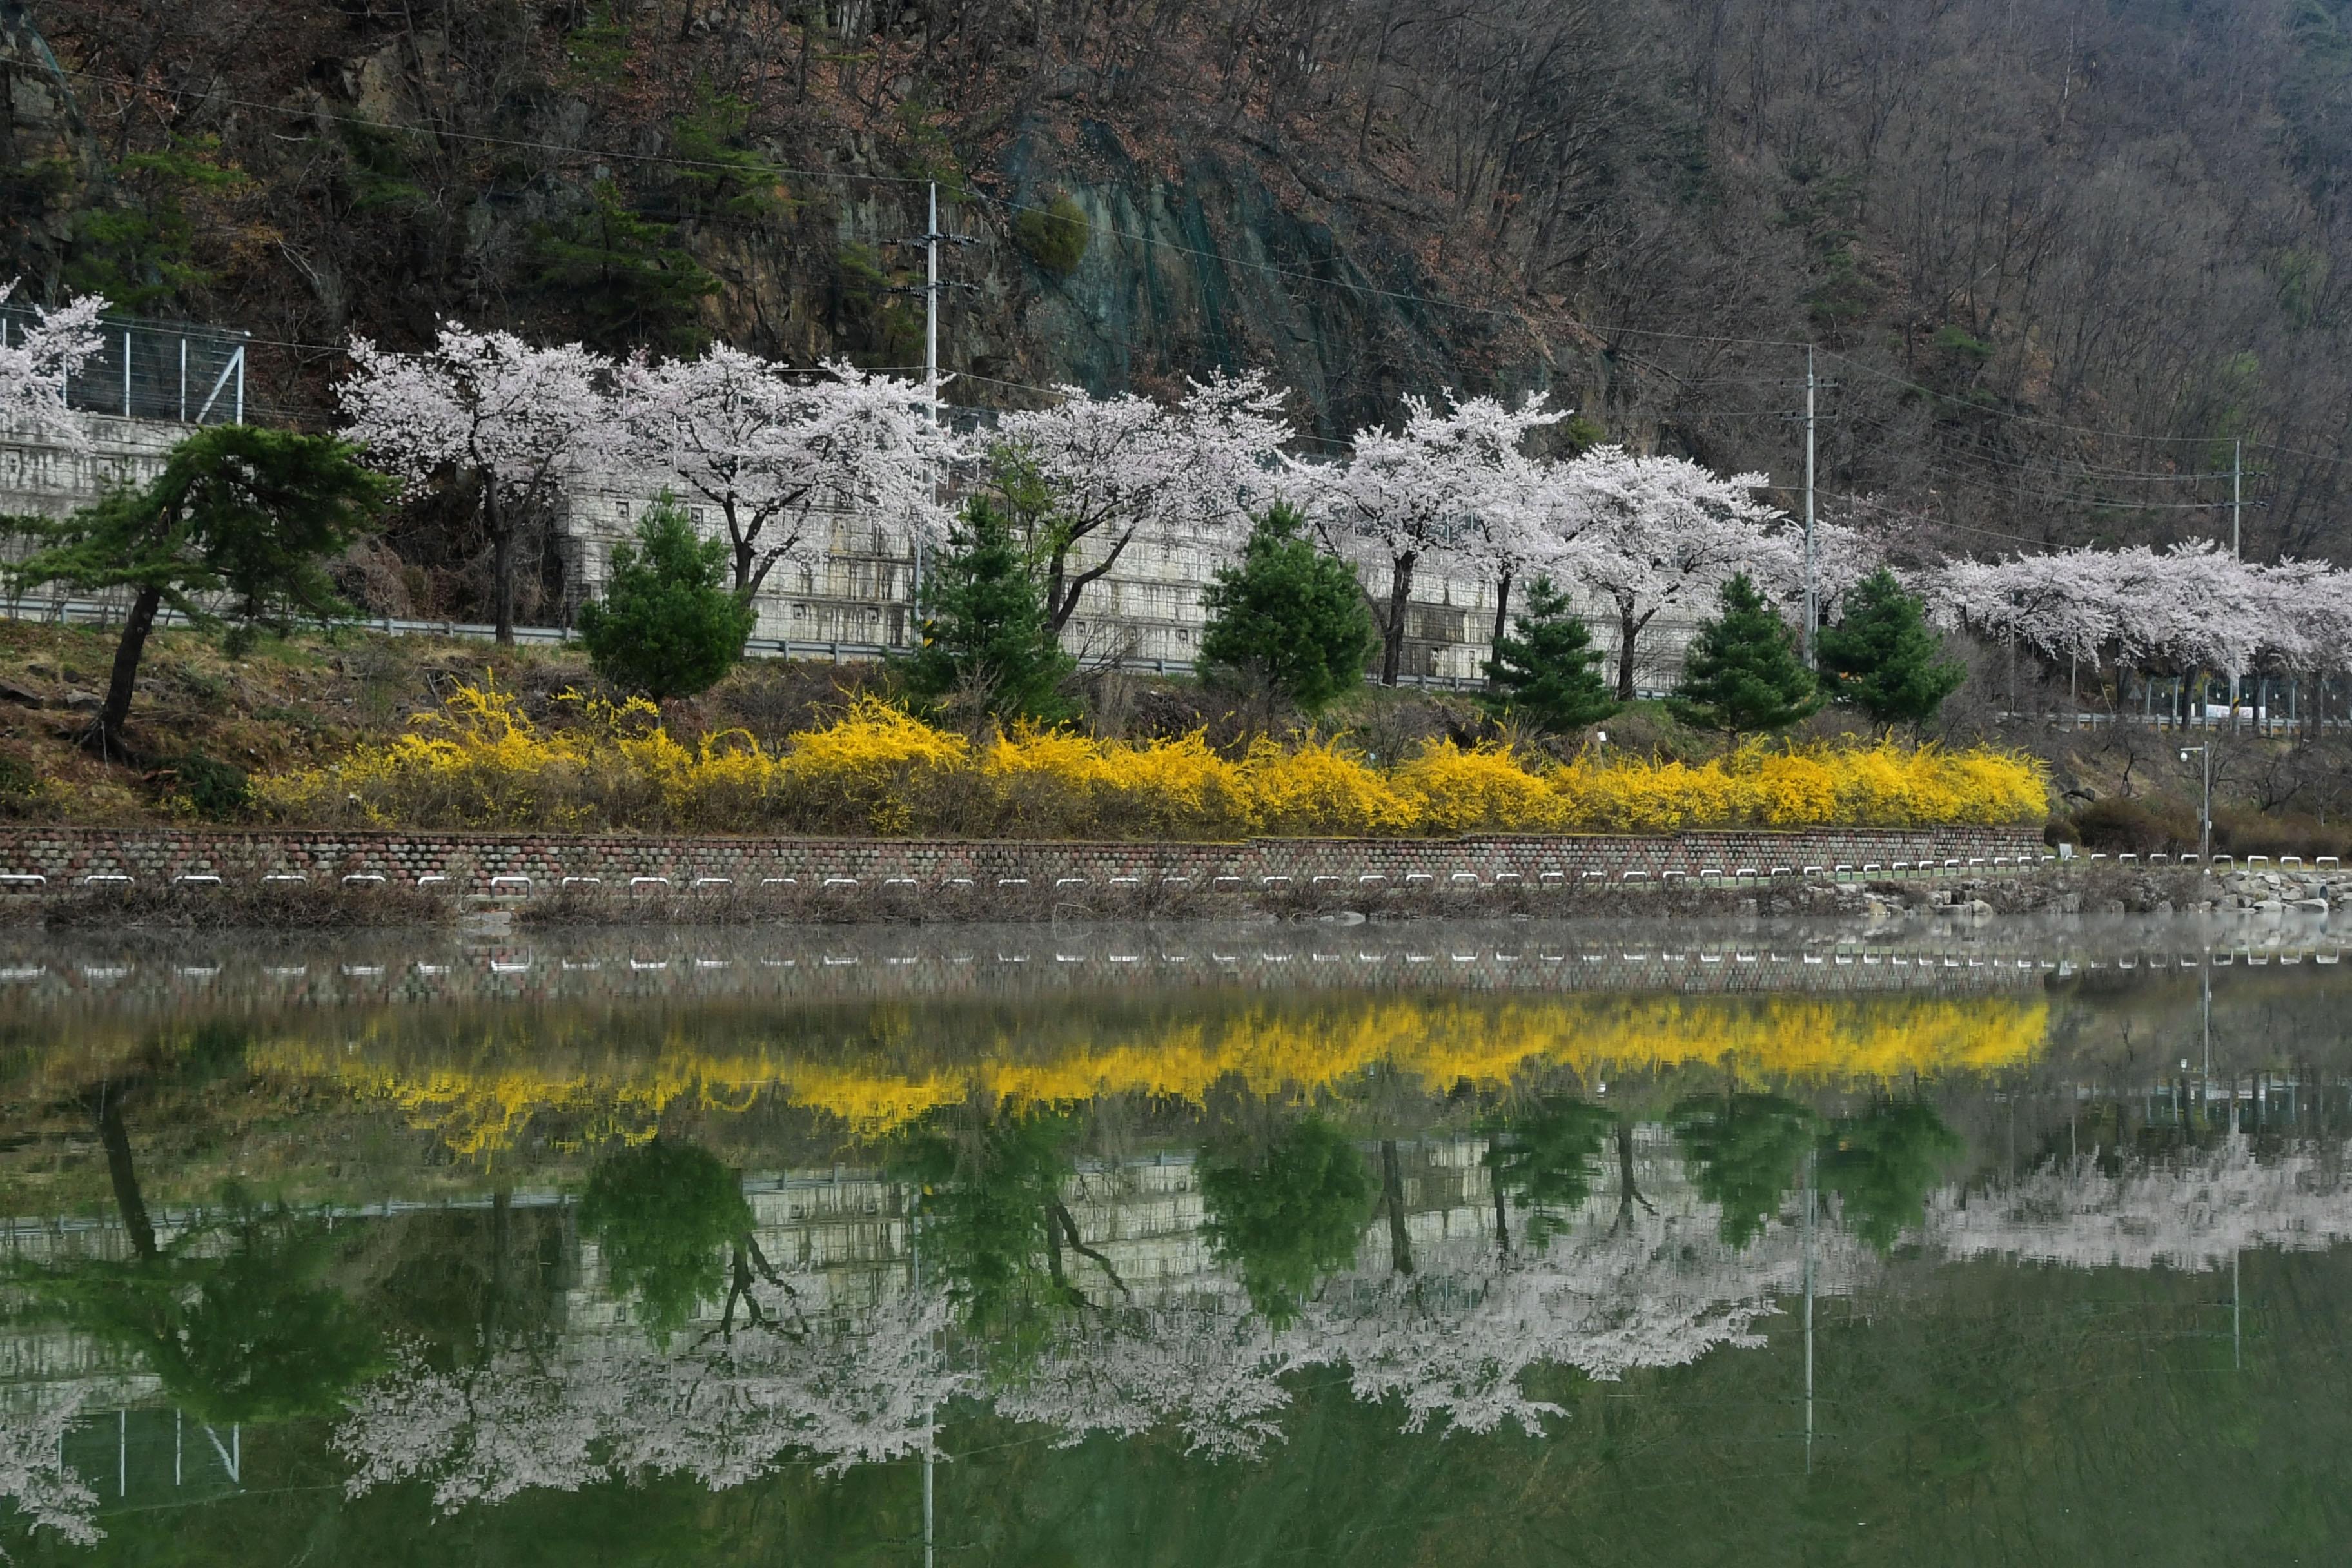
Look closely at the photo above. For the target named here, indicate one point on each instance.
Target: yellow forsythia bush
(481, 763)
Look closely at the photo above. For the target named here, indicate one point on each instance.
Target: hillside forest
(2062, 263)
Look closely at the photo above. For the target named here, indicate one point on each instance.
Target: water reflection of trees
(1592, 1241)
(230, 1309)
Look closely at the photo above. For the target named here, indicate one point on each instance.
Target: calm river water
(1449, 1244)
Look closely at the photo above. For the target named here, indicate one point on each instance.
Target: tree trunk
(1502, 1213)
(1502, 619)
(502, 564)
(106, 1109)
(1392, 1198)
(1627, 1195)
(1056, 570)
(1393, 625)
(1627, 627)
(116, 712)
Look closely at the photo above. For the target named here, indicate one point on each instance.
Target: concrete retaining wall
(67, 856)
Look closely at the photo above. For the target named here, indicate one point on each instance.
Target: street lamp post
(2205, 821)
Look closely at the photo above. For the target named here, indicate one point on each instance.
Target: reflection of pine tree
(1883, 1164)
(1287, 1214)
(662, 1211)
(1542, 1157)
(995, 1225)
(1745, 1147)
(232, 1315)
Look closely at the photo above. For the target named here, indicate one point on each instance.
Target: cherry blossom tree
(1451, 484)
(778, 452)
(847, 1387)
(1669, 533)
(1535, 523)
(1111, 468)
(33, 1477)
(40, 356)
(510, 421)
(2188, 609)
(2188, 1213)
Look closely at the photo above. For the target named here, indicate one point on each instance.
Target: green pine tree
(1743, 1149)
(239, 513)
(1883, 1163)
(668, 624)
(985, 628)
(624, 276)
(1882, 657)
(1287, 618)
(1549, 673)
(1742, 675)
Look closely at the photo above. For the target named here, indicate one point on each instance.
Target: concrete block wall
(67, 855)
(862, 590)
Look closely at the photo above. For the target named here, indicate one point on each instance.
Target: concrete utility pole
(931, 288)
(931, 309)
(1812, 612)
(2237, 492)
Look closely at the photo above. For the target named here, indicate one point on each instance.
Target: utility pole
(931, 308)
(931, 288)
(1812, 614)
(2237, 491)
(1811, 609)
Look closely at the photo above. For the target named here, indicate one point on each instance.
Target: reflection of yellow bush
(482, 763)
(482, 1106)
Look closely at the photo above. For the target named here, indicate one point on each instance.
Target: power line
(1889, 377)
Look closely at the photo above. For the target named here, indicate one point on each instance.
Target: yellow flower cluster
(481, 1105)
(482, 763)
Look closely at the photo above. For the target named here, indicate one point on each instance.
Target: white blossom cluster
(2192, 1213)
(849, 1390)
(34, 1476)
(2192, 607)
(1450, 1342)
(37, 359)
(775, 452)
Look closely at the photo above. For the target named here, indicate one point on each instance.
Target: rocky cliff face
(48, 162)
(384, 186)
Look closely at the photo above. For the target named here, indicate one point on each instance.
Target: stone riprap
(55, 859)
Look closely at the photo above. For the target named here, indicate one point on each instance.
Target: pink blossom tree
(1450, 485)
(1112, 467)
(510, 421)
(39, 357)
(33, 1477)
(1668, 533)
(777, 452)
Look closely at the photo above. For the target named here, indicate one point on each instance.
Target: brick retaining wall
(68, 856)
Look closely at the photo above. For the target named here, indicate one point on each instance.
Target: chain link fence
(178, 370)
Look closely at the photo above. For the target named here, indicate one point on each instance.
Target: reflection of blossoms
(618, 1408)
(1453, 1340)
(1204, 1368)
(2191, 1212)
(1451, 1343)
(33, 1474)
